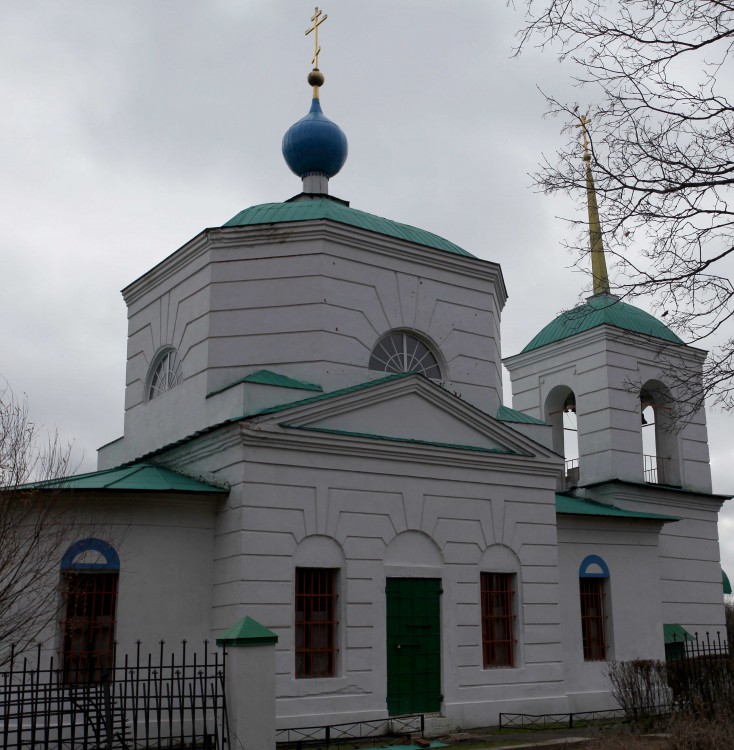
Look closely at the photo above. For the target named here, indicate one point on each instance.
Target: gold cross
(317, 21)
(583, 122)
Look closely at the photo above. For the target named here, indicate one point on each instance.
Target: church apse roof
(333, 210)
(137, 477)
(602, 309)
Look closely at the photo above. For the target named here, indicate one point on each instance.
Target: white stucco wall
(308, 300)
(632, 600)
(691, 591)
(374, 511)
(165, 544)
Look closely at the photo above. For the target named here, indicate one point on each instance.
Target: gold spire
(598, 259)
(316, 77)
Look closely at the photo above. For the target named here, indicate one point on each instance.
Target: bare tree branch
(659, 75)
(34, 524)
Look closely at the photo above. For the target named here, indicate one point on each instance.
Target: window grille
(498, 643)
(167, 374)
(401, 352)
(592, 618)
(316, 622)
(89, 624)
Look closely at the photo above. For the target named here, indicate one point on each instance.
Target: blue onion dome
(315, 144)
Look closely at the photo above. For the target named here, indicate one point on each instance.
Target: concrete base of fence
(250, 684)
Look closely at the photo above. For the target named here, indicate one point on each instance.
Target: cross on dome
(315, 148)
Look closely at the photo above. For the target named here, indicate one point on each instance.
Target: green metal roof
(505, 414)
(600, 310)
(576, 506)
(327, 208)
(268, 377)
(134, 478)
(247, 632)
(725, 582)
(325, 396)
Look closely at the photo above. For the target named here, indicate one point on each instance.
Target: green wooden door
(413, 645)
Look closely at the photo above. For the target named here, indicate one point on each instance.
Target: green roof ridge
(505, 414)
(326, 208)
(602, 309)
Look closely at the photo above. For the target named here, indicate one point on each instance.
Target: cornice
(272, 436)
(185, 255)
(361, 239)
(320, 229)
(656, 494)
(605, 335)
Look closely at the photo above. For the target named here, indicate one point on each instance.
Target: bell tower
(609, 378)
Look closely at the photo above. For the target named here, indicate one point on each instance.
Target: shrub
(641, 688)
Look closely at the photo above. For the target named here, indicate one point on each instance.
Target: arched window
(166, 373)
(317, 612)
(89, 571)
(560, 411)
(593, 590)
(500, 607)
(402, 352)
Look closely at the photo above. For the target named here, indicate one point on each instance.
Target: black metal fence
(145, 700)
(350, 732)
(697, 676)
(701, 673)
(560, 721)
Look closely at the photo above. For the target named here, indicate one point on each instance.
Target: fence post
(108, 724)
(250, 684)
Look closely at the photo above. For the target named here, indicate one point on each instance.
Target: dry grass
(625, 742)
(685, 733)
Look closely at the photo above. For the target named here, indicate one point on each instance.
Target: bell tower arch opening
(560, 412)
(660, 449)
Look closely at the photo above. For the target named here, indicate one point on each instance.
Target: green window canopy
(675, 633)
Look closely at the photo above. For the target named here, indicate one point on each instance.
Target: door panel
(413, 645)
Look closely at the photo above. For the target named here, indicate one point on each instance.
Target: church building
(314, 437)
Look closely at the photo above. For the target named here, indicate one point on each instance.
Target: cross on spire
(583, 122)
(318, 18)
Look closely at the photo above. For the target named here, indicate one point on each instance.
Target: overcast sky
(128, 127)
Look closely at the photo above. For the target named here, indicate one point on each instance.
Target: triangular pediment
(409, 409)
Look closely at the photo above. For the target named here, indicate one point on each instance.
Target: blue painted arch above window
(73, 558)
(592, 566)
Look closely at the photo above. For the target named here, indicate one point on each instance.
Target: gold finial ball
(316, 78)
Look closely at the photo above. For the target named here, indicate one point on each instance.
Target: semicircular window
(401, 352)
(167, 374)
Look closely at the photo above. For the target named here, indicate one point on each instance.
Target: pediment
(408, 409)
